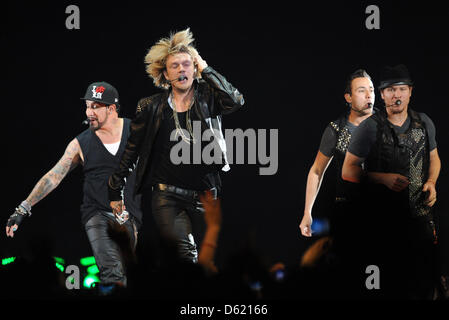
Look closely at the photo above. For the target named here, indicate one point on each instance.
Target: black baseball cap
(102, 92)
(396, 75)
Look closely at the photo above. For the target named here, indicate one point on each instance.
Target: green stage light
(9, 260)
(87, 261)
(93, 269)
(59, 260)
(89, 280)
(59, 266)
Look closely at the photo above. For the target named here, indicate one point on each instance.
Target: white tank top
(112, 147)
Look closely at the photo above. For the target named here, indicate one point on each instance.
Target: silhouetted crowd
(322, 274)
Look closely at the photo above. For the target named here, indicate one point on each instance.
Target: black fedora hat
(396, 75)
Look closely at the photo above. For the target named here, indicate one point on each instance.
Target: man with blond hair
(194, 95)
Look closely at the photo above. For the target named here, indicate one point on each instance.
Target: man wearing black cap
(98, 149)
(401, 166)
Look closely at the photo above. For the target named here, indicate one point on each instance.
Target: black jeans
(173, 214)
(106, 251)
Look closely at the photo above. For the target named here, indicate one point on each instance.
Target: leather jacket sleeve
(129, 157)
(227, 98)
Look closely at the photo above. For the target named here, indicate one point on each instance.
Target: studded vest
(406, 154)
(343, 138)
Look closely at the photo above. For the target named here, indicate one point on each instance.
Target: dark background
(290, 60)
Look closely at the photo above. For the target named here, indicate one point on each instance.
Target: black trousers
(106, 251)
(173, 214)
(377, 229)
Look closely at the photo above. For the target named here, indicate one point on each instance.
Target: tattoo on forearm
(42, 189)
(52, 179)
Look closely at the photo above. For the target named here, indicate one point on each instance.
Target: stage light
(9, 260)
(89, 280)
(59, 260)
(320, 226)
(93, 269)
(92, 272)
(87, 261)
(59, 266)
(59, 263)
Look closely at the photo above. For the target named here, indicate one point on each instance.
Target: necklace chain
(179, 130)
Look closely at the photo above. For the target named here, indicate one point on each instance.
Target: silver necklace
(179, 130)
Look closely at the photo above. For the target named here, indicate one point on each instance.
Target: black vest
(343, 138)
(99, 164)
(406, 154)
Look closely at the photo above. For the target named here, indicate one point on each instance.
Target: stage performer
(98, 149)
(194, 94)
(359, 95)
(397, 189)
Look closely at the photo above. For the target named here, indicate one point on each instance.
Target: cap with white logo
(102, 92)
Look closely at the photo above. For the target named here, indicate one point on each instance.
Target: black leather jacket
(214, 96)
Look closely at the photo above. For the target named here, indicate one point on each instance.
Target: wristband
(26, 206)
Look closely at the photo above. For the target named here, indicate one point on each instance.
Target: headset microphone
(398, 102)
(180, 78)
(370, 105)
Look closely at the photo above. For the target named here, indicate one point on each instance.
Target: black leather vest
(406, 154)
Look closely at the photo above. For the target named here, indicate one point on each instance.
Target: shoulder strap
(416, 121)
(339, 123)
(84, 139)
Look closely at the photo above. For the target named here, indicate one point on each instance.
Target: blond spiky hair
(156, 57)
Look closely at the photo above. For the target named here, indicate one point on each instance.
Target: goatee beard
(94, 128)
(397, 111)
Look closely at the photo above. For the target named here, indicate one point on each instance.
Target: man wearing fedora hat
(98, 149)
(401, 166)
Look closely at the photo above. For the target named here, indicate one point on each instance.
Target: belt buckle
(340, 199)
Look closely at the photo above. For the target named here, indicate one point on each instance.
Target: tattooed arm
(71, 158)
(52, 178)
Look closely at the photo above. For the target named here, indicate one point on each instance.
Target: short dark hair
(117, 107)
(360, 73)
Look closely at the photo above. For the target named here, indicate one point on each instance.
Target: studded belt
(182, 191)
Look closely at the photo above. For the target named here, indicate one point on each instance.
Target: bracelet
(209, 244)
(26, 205)
(430, 180)
(26, 208)
(20, 211)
